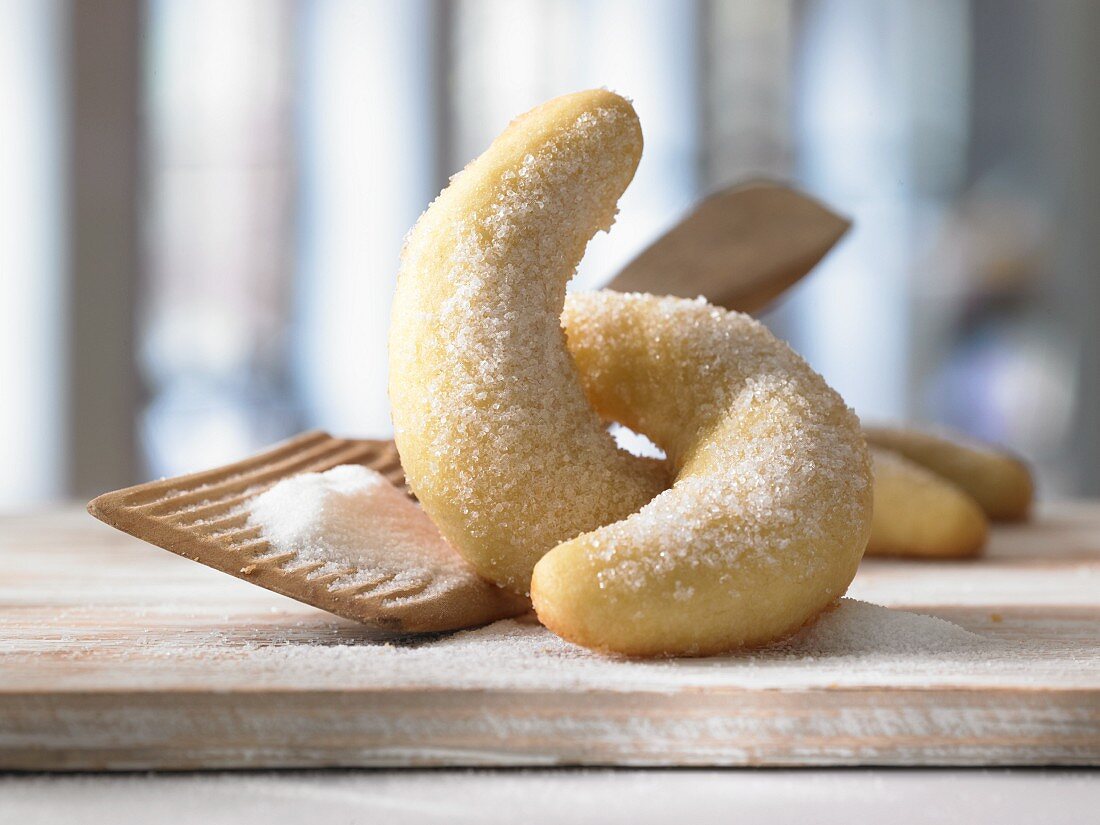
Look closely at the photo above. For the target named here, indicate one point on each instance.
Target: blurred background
(202, 204)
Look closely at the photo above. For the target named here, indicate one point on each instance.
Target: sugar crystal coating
(495, 435)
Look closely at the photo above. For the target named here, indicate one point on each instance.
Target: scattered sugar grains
(351, 521)
(855, 644)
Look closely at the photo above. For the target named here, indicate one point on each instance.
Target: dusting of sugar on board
(92, 613)
(857, 628)
(856, 645)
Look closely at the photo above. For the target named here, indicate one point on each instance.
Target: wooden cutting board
(117, 655)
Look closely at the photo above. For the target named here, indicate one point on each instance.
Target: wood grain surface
(117, 655)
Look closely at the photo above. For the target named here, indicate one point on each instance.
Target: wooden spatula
(205, 517)
(739, 248)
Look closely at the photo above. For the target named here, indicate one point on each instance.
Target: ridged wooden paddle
(739, 248)
(204, 517)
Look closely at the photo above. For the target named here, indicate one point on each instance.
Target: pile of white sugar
(858, 628)
(352, 522)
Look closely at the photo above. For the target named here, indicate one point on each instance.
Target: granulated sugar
(856, 645)
(352, 522)
(860, 629)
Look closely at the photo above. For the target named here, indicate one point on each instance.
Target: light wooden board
(118, 655)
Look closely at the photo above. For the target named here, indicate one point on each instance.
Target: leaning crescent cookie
(495, 435)
(770, 510)
(997, 480)
(920, 514)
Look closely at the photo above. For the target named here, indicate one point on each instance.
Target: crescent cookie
(768, 516)
(494, 432)
(919, 513)
(997, 480)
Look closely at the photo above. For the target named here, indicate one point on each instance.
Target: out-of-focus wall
(204, 203)
(32, 219)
